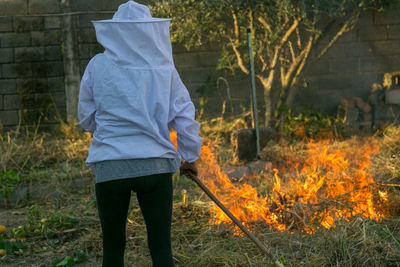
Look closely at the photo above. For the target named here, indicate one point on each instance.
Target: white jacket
(131, 95)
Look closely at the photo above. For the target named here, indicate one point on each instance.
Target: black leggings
(154, 194)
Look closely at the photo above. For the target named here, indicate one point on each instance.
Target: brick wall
(32, 79)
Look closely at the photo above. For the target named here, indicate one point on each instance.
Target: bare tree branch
(345, 28)
(289, 32)
(298, 38)
(291, 51)
(265, 24)
(236, 43)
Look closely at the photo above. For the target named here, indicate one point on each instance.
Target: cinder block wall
(32, 78)
(358, 59)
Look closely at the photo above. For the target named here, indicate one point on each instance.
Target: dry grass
(41, 156)
(72, 223)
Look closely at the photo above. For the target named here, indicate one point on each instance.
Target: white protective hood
(133, 38)
(131, 95)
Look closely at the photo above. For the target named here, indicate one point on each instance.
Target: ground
(63, 229)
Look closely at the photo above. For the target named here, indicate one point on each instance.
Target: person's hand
(188, 169)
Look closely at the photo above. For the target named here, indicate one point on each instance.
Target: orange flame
(329, 185)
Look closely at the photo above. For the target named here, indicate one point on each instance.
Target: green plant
(311, 124)
(69, 261)
(49, 223)
(10, 246)
(8, 182)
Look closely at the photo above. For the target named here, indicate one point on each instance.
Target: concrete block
(23, 24)
(29, 54)
(56, 84)
(394, 32)
(51, 23)
(114, 4)
(1, 104)
(32, 85)
(87, 35)
(48, 69)
(85, 20)
(196, 74)
(366, 18)
(6, 55)
(43, 6)
(320, 67)
(84, 51)
(86, 5)
(208, 59)
(57, 69)
(49, 37)
(388, 47)
(347, 37)
(347, 50)
(14, 7)
(53, 53)
(41, 69)
(389, 16)
(375, 64)
(8, 86)
(372, 33)
(12, 102)
(9, 117)
(244, 142)
(321, 83)
(185, 60)
(392, 96)
(350, 65)
(13, 39)
(6, 24)
(59, 97)
(16, 70)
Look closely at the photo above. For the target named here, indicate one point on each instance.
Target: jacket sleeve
(182, 119)
(86, 105)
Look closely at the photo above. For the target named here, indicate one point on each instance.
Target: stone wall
(33, 61)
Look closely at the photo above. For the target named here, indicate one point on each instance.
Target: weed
(312, 124)
(69, 261)
(11, 246)
(8, 182)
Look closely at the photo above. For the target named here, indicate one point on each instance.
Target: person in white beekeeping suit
(131, 96)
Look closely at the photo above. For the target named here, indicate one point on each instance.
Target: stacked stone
(357, 115)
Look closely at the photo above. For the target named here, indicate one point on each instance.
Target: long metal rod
(237, 222)
(253, 92)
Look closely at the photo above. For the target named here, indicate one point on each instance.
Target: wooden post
(71, 67)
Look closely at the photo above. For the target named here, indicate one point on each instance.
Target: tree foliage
(288, 35)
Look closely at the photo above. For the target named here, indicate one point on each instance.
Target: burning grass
(335, 223)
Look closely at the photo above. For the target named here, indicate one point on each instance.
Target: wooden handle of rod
(237, 222)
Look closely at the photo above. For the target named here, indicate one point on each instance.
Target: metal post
(253, 93)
